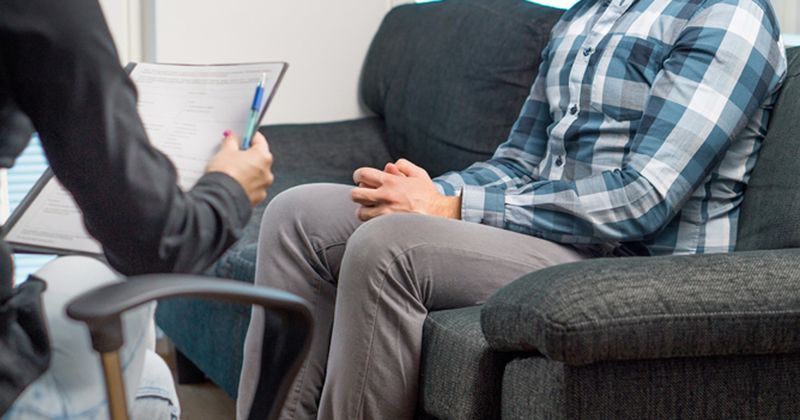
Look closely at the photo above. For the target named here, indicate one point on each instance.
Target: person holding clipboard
(60, 75)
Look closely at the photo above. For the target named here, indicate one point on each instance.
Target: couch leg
(187, 371)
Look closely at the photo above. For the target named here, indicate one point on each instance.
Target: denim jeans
(73, 387)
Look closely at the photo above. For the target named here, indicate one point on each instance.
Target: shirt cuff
(446, 189)
(483, 205)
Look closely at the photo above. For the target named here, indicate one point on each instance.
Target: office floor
(204, 401)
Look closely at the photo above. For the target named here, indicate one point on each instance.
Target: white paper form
(54, 221)
(185, 110)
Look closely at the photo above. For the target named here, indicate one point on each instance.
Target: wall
(324, 42)
(788, 12)
(124, 21)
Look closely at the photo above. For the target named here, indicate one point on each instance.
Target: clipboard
(47, 179)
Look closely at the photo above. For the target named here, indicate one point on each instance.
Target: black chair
(290, 333)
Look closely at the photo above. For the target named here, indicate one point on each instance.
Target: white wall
(789, 13)
(116, 12)
(120, 19)
(324, 42)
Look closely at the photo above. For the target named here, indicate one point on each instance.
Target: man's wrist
(450, 207)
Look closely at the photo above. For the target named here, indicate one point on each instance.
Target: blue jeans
(73, 387)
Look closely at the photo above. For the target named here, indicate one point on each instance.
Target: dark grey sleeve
(64, 73)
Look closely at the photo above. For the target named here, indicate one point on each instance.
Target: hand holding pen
(251, 168)
(248, 162)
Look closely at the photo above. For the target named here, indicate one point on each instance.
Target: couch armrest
(653, 307)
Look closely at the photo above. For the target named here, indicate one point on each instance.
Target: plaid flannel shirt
(643, 126)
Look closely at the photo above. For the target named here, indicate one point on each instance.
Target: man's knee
(286, 202)
(301, 207)
(381, 241)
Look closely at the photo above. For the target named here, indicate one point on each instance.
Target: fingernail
(227, 133)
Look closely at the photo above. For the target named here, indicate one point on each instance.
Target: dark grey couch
(695, 336)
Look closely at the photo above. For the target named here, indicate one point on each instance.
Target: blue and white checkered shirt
(643, 126)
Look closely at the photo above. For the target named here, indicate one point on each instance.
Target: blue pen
(255, 109)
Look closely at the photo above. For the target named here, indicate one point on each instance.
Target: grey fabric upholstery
(460, 376)
(450, 77)
(771, 209)
(647, 308)
(733, 387)
(533, 388)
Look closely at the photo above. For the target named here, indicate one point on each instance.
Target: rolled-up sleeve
(725, 65)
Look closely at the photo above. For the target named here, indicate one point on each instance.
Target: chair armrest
(101, 310)
(653, 307)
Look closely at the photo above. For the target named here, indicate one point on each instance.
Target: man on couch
(638, 138)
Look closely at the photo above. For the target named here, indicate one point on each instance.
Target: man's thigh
(449, 263)
(311, 222)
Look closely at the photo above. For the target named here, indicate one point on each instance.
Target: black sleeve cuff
(233, 190)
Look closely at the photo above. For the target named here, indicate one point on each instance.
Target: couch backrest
(771, 209)
(450, 77)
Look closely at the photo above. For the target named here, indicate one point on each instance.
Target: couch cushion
(770, 216)
(651, 308)
(450, 77)
(459, 376)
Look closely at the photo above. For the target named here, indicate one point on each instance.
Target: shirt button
(559, 161)
(587, 51)
(573, 109)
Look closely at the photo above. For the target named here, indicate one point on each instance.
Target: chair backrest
(450, 77)
(770, 216)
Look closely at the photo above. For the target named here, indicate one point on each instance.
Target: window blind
(26, 171)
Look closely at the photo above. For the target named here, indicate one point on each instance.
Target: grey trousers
(371, 285)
